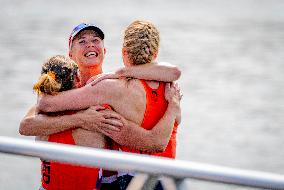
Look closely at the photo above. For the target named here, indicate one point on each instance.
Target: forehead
(86, 33)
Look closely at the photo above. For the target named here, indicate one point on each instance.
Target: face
(87, 49)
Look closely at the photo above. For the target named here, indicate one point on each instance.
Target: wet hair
(141, 40)
(58, 74)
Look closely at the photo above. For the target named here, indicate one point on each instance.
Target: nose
(90, 44)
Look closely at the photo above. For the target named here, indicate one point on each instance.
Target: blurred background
(230, 53)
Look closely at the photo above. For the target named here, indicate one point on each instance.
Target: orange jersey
(156, 106)
(62, 176)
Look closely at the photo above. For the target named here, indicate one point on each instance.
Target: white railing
(153, 166)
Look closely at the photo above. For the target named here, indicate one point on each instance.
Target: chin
(91, 64)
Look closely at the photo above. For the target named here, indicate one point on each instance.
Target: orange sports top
(156, 105)
(61, 176)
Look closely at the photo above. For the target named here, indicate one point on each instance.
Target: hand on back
(173, 95)
(96, 118)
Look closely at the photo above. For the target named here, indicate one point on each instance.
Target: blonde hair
(141, 40)
(58, 74)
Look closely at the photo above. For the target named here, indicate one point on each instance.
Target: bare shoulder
(109, 84)
(118, 84)
(109, 88)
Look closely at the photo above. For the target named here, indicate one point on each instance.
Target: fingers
(94, 82)
(109, 132)
(113, 122)
(106, 132)
(96, 79)
(176, 86)
(98, 107)
(90, 80)
(103, 77)
(177, 90)
(168, 85)
(173, 88)
(110, 127)
(111, 115)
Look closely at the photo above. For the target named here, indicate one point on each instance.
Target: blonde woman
(60, 73)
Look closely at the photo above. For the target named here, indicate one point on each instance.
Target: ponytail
(47, 84)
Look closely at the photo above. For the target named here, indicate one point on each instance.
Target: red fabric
(62, 176)
(156, 106)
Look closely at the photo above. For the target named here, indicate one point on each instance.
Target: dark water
(230, 53)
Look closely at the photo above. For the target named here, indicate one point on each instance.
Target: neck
(87, 72)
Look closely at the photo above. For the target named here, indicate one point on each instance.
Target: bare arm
(160, 72)
(34, 124)
(81, 98)
(156, 139)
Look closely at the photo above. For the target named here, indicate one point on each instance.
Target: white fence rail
(113, 160)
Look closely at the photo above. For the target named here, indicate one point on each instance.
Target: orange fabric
(156, 106)
(62, 176)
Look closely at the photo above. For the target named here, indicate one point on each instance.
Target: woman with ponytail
(60, 73)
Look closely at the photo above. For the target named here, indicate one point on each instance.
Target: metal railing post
(180, 184)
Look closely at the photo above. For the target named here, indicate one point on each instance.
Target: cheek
(77, 54)
(100, 46)
(76, 49)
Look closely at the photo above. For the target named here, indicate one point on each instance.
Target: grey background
(231, 57)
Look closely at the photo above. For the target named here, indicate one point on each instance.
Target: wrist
(173, 109)
(174, 106)
(78, 120)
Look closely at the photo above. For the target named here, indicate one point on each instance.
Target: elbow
(44, 106)
(159, 146)
(177, 73)
(24, 127)
(157, 143)
(158, 149)
(162, 147)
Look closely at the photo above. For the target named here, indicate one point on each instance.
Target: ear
(125, 59)
(124, 52)
(155, 55)
(70, 54)
(104, 51)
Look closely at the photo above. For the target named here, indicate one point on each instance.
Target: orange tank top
(61, 176)
(156, 106)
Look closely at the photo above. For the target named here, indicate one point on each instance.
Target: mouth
(91, 54)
